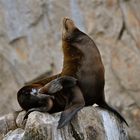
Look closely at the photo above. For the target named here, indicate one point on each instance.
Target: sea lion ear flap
(58, 84)
(76, 103)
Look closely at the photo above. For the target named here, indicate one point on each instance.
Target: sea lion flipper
(104, 105)
(67, 115)
(40, 109)
(58, 84)
(42, 79)
(76, 103)
(29, 111)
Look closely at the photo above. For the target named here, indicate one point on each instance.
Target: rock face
(97, 125)
(30, 44)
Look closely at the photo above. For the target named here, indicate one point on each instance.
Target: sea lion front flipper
(29, 111)
(75, 104)
(58, 84)
(40, 109)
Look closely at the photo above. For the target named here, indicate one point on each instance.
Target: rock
(127, 74)
(89, 123)
(7, 123)
(16, 134)
(131, 18)
(19, 120)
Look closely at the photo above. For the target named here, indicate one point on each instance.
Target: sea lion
(30, 100)
(82, 60)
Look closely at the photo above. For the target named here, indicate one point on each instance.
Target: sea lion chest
(90, 73)
(83, 61)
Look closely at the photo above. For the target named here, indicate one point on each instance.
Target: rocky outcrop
(30, 44)
(90, 123)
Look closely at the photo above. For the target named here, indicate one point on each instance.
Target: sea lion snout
(68, 24)
(68, 27)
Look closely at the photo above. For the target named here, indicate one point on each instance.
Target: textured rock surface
(97, 125)
(30, 44)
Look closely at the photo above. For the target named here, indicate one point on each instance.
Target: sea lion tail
(106, 106)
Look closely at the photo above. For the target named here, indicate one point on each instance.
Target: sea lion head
(28, 97)
(70, 31)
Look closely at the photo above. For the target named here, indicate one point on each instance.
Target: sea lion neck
(71, 51)
(72, 59)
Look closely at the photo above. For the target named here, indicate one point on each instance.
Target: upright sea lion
(82, 61)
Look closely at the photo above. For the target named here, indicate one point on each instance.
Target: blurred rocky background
(30, 45)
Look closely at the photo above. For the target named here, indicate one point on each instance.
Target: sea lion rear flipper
(58, 84)
(76, 103)
(42, 79)
(106, 106)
